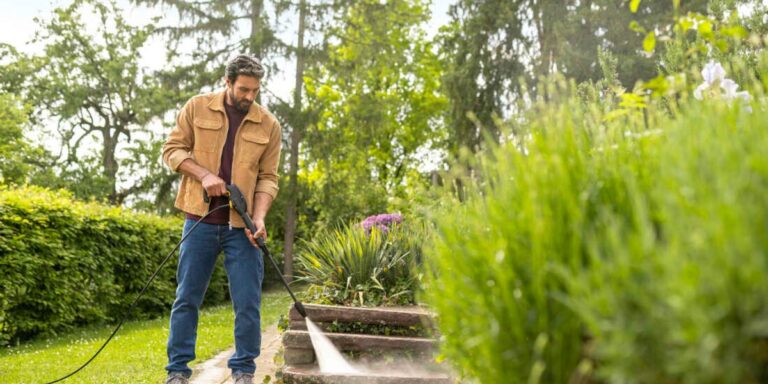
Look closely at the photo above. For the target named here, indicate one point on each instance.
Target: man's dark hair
(244, 65)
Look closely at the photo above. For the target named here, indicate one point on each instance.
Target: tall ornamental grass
(355, 265)
(622, 248)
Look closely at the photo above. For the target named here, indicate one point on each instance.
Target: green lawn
(135, 355)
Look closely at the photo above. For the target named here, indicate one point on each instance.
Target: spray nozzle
(300, 308)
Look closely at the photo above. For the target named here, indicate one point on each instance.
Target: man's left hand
(261, 231)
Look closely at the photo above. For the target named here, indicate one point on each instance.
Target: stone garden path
(215, 371)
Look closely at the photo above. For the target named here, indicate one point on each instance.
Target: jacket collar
(217, 104)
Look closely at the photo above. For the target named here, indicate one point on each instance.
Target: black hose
(141, 293)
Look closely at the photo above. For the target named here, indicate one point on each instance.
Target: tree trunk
(540, 17)
(109, 163)
(291, 209)
(257, 34)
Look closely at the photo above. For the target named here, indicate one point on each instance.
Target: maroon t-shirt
(221, 216)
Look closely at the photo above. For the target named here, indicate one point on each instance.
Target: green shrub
(65, 263)
(629, 250)
(354, 266)
(681, 288)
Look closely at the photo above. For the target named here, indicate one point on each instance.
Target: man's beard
(241, 105)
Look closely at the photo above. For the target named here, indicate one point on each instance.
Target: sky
(16, 19)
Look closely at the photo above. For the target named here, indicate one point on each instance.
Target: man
(222, 138)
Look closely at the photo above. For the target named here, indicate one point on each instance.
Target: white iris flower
(714, 76)
(730, 87)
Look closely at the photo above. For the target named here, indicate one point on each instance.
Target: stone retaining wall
(384, 359)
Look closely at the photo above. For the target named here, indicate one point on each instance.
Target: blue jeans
(245, 271)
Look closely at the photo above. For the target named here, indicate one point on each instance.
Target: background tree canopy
(374, 97)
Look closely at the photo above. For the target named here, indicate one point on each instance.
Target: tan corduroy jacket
(200, 133)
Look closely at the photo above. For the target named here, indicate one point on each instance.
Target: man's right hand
(214, 185)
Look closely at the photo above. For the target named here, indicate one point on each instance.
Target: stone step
(309, 374)
(382, 359)
(299, 350)
(397, 316)
(357, 342)
(392, 329)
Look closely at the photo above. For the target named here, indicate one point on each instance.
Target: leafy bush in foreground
(631, 250)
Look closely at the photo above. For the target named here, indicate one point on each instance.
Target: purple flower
(383, 221)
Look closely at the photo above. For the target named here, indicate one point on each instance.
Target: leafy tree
(569, 37)
(89, 85)
(483, 51)
(757, 21)
(376, 103)
(18, 157)
(490, 46)
(313, 21)
(215, 29)
(297, 128)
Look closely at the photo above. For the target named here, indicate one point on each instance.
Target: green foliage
(685, 263)
(628, 249)
(649, 42)
(371, 115)
(489, 277)
(65, 263)
(377, 329)
(18, 157)
(577, 33)
(692, 39)
(351, 267)
(478, 77)
(486, 54)
(12, 119)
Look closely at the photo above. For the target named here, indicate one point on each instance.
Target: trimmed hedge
(65, 263)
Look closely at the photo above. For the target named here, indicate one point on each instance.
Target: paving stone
(215, 370)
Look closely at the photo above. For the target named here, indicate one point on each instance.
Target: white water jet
(329, 358)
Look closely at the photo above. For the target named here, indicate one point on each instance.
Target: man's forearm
(192, 169)
(261, 205)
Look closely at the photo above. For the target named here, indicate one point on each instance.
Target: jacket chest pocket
(207, 134)
(253, 146)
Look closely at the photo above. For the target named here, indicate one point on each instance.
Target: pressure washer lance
(238, 203)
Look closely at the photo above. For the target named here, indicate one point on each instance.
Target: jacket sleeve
(181, 140)
(267, 179)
